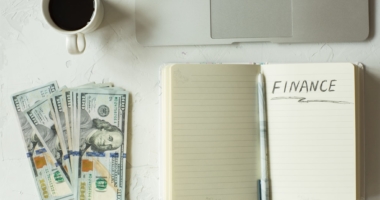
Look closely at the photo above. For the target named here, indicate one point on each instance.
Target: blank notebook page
(215, 138)
(311, 114)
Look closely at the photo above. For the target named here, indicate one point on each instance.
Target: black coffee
(71, 14)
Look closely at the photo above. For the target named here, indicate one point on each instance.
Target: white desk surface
(31, 54)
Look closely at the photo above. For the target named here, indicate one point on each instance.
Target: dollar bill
(69, 118)
(60, 125)
(68, 110)
(49, 181)
(99, 143)
(65, 100)
(55, 114)
(46, 137)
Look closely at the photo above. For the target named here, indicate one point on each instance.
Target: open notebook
(210, 131)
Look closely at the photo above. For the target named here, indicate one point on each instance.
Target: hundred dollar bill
(40, 117)
(65, 100)
(60, 125)
(55, 115)
(48, 179)
(67, 104)
(57, 102)
(100, 146)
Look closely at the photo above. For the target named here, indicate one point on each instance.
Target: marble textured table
(31, 54)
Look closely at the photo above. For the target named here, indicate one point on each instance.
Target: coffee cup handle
(75, 43)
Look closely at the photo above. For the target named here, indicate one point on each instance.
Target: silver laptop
(199, 22)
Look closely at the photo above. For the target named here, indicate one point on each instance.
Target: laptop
(206, 22)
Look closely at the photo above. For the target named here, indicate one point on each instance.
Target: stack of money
(75, 140)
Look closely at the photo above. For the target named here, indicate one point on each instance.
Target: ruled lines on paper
(215, 145)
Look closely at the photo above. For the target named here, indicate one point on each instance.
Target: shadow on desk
(372, 137)
(128, 165)
(372, 19)
(114, 13)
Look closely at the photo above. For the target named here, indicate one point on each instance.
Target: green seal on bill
(101, 184)
(58, 177)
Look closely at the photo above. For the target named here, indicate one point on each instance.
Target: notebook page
(312, 146)
(215, 137)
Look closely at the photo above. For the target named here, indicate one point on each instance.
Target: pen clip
(259, 189)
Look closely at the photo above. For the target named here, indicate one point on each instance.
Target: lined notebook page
(311, 131)
(215, 138)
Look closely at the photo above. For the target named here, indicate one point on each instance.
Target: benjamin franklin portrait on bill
(95, 134)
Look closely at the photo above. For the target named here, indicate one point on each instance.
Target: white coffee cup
(75, 40)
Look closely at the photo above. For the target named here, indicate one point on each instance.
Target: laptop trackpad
(251, 18)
